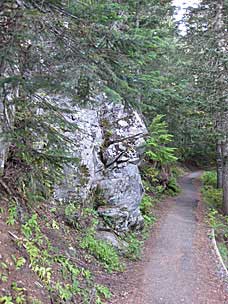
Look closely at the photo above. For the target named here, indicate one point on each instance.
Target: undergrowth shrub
(146, 204)
(220, 225)
(134, 246)
(160, 181)
(103, 251)
(216, 221)
(172, 187)
(224, 253)
(212, 197)
(209, 178)
(177, 171)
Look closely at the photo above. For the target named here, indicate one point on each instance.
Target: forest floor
(178, 264)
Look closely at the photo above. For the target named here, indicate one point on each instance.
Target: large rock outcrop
(108, 142)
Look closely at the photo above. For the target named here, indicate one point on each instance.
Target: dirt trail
(178, 266)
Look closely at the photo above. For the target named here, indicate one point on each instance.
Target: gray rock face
(7, 112)
(122, 190)
(111, 238)
(108, 144)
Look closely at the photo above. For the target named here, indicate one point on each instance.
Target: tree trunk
(219, 163)
(8, 91)
(221, 88)
(225, 178)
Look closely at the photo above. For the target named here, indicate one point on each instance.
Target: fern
(156, 144)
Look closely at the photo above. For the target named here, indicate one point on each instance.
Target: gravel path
(179, 265)
(171, 270)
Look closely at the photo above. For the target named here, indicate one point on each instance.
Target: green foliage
(177, 171)
(65, 292)
(134, 246)
(102, 250)
(41, 156)
(213, 219)
(33, 252)
(34, 128)
(151, 181)
(156, 149)
(44, 263)
(172, 187)
(4, 272)
(211, 195)
(102, 292)
(6, 300)
(107, 47)
(66, 264)
(19, 262)
(150, 176)
(224, 253)
(218, 222)
(213, 198)
(3, 278)
(205, 55)
(70, 213)
(44, 273)
(3, 265)
(12, 210)
(146, 204)
(20, 297)
(160, 182)
(209, 178)
(31, 230)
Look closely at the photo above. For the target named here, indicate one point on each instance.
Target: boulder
(108, 141)
(112, 239)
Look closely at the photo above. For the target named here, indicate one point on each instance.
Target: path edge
(214, 243)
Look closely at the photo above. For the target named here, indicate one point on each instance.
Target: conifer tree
(207, 44)
(75, 49)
